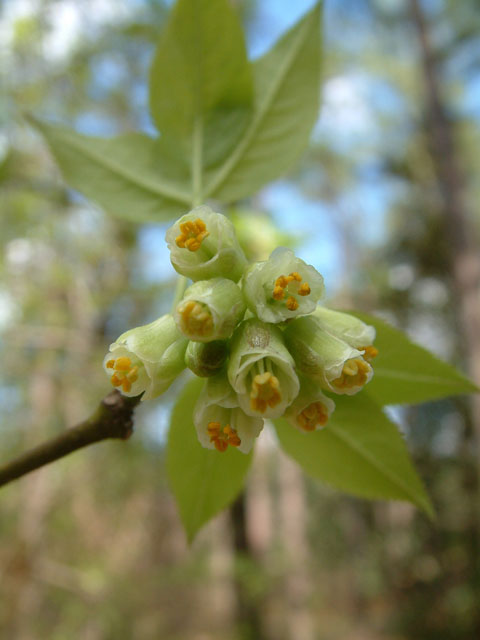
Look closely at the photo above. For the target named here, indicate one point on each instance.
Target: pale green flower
(311, 409)
(203, 245)
(282, 287)
(206, 359)
(210, 310)
(220, 422)
(146, 359)
(349, 329)
(261, 370)
(318, 354)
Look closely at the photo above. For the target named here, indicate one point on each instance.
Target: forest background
(92, 547)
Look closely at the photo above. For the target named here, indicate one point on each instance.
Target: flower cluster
(255, 332)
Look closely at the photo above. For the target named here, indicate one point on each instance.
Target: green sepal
(259, 282)
(345, 326)
(218, 403)
(206, 359)
(320, 355)
(158, 349)
(219, 255)
(220, 306)
(310, 393)
(255, 348)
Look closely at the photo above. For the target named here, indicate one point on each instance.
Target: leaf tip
(430, 512)
(190, 535)
(425, 505)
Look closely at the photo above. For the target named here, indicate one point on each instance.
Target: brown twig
(112, 419)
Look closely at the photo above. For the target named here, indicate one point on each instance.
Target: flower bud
(349, 329)
(261, 370)
(318, 354)
(203, 245)
(206, 359)
(146, 359)
(210, 310)
(282, 287)
(311, 409)
(257, 233)
(220, 422)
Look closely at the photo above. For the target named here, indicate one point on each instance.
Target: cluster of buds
(255, 332)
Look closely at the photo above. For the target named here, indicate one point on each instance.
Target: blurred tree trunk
(459, 229)
(249, 615)
(464, 254)
(297, 580)
(259, 503)
(260, 529)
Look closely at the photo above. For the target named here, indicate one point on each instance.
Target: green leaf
(131, 176)
(360, 451)
(287, 91)
(201, 84)
(203, 481)
(407, 373)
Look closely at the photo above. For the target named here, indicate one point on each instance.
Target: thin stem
(197, 160)
(112, 419)
(196, 194)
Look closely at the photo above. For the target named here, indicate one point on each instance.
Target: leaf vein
(264, 107)
(158, 190)
(396, 481)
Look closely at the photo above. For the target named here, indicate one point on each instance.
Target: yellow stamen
(283, 282)
(124, 374)
(370, 353)
(313, 416)
(122, 364)
(350, 368)
(354, 374)
(292, 304)
(196, 318)
(132, 375)
(221, 438)
(193, 233)
(278, 293)
(115, 380)
(265, 391)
